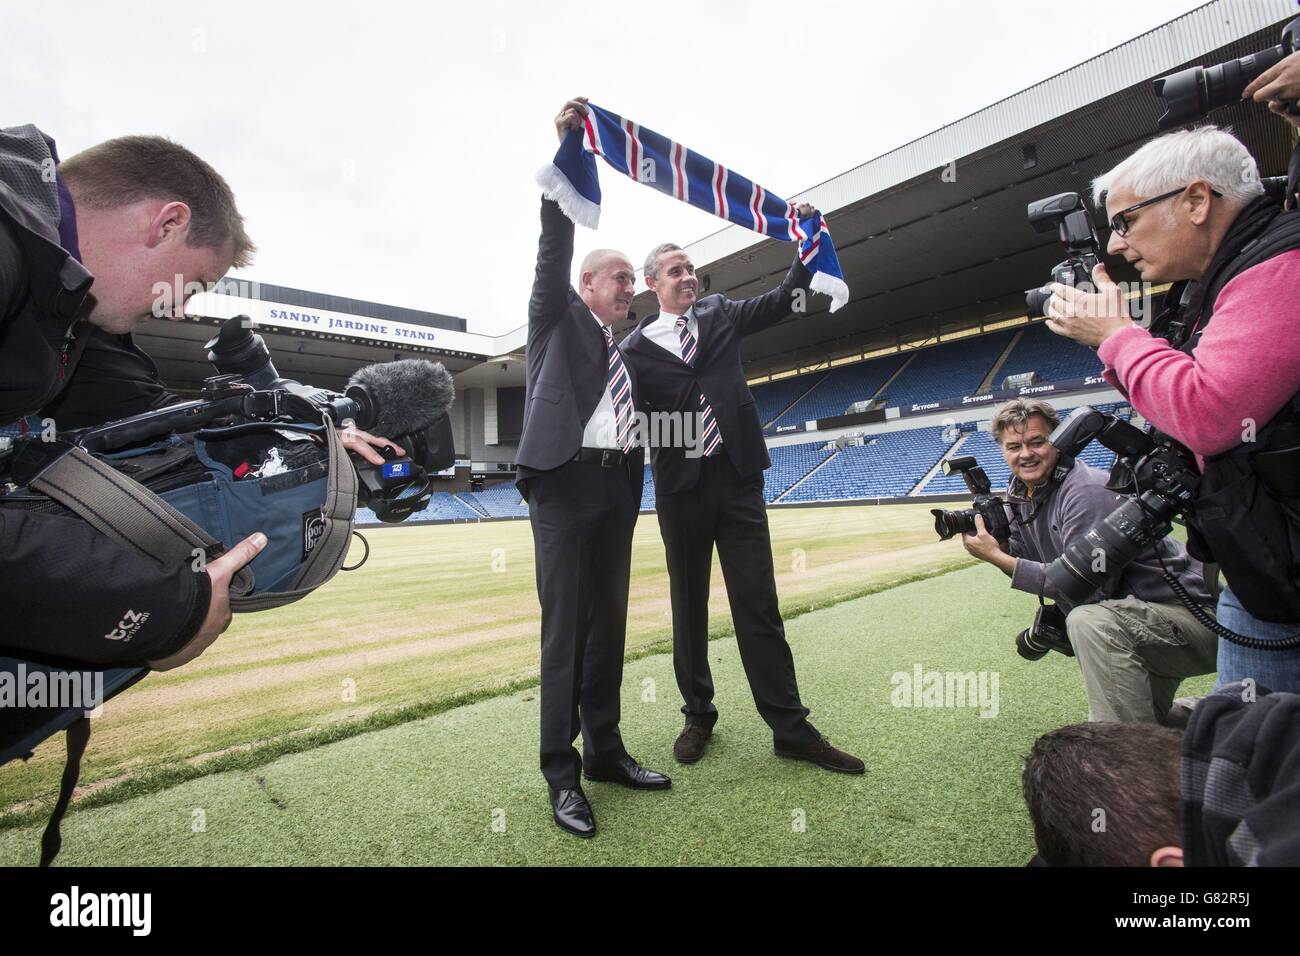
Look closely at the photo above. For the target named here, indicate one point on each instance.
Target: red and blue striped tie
(620, 391)
(710, 437)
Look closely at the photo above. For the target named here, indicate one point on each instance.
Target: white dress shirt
(602, 428)
(663, 331)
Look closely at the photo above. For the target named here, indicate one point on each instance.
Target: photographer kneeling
(1134, 641)
(1219, 371)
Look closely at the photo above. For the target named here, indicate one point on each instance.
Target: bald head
(606, 284)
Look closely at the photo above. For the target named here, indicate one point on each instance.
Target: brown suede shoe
(824, 755)
(689, 746)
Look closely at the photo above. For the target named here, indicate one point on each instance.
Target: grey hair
(652, 260)
(1016, 413)
(1181, 158)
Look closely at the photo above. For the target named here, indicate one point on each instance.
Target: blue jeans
(1272, 670)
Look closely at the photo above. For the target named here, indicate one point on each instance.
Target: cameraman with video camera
(1133, 639)
(82, 245)
(1219, 372)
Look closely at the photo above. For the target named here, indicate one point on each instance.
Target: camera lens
(1036, 302)
(1028, 648)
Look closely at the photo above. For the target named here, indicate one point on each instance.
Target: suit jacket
(566, 356)
(667, 384)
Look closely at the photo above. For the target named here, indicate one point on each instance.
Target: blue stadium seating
(773, 397)
(948, 370)
(888, 467)
(1054, 358)
(499, 501)
(648, 490)
(789, 464)
(840, 388)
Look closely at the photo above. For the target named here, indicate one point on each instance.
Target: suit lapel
(703, 326)
(641, 344)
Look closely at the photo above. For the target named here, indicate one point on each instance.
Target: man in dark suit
(581, 472)
(687, 361)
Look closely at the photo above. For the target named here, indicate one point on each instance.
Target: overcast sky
(386, 151)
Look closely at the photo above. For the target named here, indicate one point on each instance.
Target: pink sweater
(1247, 365)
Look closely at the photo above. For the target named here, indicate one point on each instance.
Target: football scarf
(656, 161)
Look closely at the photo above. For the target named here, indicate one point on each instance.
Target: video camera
(1159, 476)
(405, 400)
(1191, 93)
(989, 506)
(1066, 213)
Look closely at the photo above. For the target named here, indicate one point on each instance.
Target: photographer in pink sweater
(1219, 371)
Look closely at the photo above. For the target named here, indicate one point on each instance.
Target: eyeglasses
(1120, 222)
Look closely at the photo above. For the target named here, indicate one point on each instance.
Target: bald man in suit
(580, 468)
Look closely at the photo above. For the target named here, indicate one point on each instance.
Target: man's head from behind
(1022, 428)
(149, 212)
(1103, 794)
(670, 274)
(607, 284)
(1198, 180)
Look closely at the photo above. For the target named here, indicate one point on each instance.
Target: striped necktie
(710, 437)
(620, 392)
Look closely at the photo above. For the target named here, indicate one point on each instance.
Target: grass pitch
(224, 761)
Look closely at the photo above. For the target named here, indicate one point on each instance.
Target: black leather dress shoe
(628, 773)
(572, 812)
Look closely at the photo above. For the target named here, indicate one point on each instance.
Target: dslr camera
(989, 506)
(1066, 213)
(1159, 476)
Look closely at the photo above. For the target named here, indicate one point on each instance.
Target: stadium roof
(926, 257)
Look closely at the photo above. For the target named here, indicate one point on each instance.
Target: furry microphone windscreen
(408, 395)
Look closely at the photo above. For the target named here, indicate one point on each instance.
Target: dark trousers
(727, 509)
(582, 517)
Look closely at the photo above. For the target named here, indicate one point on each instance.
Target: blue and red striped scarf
(671, 168)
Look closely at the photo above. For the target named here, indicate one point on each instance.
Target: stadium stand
(888, 466)
(775, 397)
(789, 464)
(499, 501)
(1054, 358)
(840, 388)
(944, 371)
(648, 490)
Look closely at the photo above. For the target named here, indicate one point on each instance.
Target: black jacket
(1240, 779)
(566, 355)
(64, 586)
(42, 288)
(667, 384)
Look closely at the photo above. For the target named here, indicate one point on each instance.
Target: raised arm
(754, 315)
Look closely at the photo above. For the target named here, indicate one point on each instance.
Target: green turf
(942, 785)
(438, 616)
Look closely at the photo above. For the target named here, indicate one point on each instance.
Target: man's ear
(171, 221)
(1198, 201)
(1167, 856)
